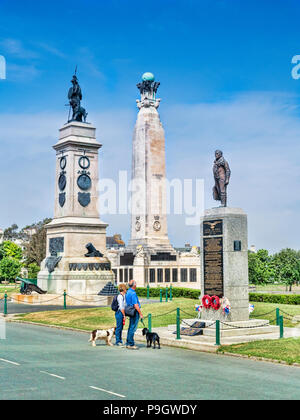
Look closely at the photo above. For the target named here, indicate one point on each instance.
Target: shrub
(9, 269)
(176, 292)
(11, 250)
(274, 298)
(33, 270)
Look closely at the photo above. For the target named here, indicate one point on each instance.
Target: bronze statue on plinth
(75, 97)
(221, 173)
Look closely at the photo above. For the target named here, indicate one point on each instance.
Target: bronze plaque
(213, 266)
(213, 227)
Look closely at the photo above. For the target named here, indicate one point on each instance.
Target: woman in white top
(120, 314)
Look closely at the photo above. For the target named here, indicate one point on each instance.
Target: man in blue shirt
(133, 300)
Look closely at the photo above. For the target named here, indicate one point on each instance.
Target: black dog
(151, 338)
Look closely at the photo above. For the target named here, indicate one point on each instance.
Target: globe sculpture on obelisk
(76, 237)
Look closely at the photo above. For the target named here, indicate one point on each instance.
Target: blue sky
(225, 73)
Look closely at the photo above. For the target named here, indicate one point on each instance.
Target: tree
(33, 270)
(261, 267)
(10, 249)
(35, 248)
(11, 233)
(9, 269)
(287, 263)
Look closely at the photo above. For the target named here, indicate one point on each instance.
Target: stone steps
(234, 332)
(207, 343)
(246, 328)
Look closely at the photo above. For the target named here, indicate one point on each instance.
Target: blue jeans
(119, 328)
(133, 324)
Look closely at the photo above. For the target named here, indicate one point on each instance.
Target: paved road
(31, 354)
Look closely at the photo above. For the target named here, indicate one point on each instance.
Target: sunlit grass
(163, 314)
(285, 349)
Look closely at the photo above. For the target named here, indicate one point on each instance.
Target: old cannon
(28, 286)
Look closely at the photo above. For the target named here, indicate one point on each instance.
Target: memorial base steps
(233, 329)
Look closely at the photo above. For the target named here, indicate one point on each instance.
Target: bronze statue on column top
(75, 97)
(221, 173)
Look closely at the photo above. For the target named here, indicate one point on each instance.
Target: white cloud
(21, 72)
(16, 48)
(51, 49)
(258, 133)
(87, 60)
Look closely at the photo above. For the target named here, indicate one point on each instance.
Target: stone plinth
(79, 276)
(224, 260)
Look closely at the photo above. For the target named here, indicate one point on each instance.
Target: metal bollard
(149, 322)
(281, 326)
(171, 295)
(166, 294)
(5, 303)
(277, 316)
(218, 343)
(65, 299)
(160, 295)
(178, 324)
(148, 291)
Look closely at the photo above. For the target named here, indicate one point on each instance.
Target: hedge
(274, 298)
(195, 293)
(176, 292)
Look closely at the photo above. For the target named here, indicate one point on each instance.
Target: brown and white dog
(106, 335)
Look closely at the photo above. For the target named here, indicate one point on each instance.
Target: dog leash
(142, 321)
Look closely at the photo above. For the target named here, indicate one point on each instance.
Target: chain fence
(88, 301)
(250, 326)
(9, 299)
(285, 313)
(198, 328)
(35, 303)
(215, 325)
(164, 314)
(267, 313)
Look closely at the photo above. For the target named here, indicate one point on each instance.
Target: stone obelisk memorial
(149, 219)
(76, 237)
(224, 252)
(149, 257)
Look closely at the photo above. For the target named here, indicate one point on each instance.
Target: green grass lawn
(286, 349)
(261, 308)
(89, 319)
(10, 288)
(275, 288)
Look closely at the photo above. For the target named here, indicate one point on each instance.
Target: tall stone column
(76, 196)
(149, 218)
(76, 221)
